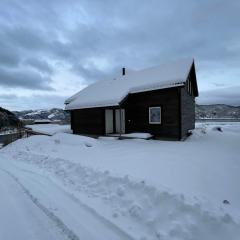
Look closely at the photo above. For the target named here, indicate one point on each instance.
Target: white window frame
(149, 115)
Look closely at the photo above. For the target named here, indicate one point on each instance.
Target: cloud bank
(42, 42)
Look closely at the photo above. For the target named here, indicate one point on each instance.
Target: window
(155, 115)
(189, 87)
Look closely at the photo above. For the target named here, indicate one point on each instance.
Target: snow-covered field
(74, 187)
(50, 128)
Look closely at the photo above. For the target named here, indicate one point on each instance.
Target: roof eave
(90, 106)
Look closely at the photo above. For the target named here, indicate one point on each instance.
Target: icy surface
(112, 92)
(124, 189)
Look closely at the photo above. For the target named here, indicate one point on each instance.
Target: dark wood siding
(187, 111)
(137, 112)
(177, 114)
(88, 121)
(71, 119)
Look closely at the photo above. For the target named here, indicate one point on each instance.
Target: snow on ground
(17, 212)
(50, 129)
(125, 189)
(134, 135)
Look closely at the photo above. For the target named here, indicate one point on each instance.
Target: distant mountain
(51, 114)
(202, 111)
(217, 111)
(8, 119)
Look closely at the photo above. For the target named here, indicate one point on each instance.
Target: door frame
(115, 118)
(109, 123)
(120, 120)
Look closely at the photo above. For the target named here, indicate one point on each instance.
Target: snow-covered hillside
(202, 112)
(8, 119)
(82, 188)
(217, 111)
(51, 114)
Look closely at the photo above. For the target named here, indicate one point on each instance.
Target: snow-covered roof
(112, 92)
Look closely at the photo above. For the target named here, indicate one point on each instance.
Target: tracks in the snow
(58, 222)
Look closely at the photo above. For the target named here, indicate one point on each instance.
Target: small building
(42, 121)
(158, 100)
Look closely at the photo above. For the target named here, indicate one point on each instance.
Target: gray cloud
(24, 79)
(8, 56)
(14, 102)
(39, 64)
(6, 97)
(230, 95)
(95, 38)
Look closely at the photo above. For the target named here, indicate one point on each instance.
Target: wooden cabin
(158, 100)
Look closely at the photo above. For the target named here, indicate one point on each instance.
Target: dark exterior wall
(178, 114)
(137, 112)
(88, 121)
(187, 111)
(71, 119)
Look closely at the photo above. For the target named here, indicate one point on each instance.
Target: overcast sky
(51, 49)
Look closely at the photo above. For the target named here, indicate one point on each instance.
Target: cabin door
(120, 120)
(108, 121)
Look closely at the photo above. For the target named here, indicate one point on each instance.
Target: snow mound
(138, 135)
(74, 140)
(50, 129)
(49, 144)
(27, 144)
(135, 135)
